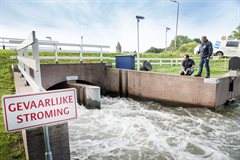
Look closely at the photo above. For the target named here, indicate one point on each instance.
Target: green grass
(217, 67)
(11, 146)
(161, 55)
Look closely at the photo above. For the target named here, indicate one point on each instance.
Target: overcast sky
(109, 21)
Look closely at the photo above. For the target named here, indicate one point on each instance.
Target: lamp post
(50, 38)
(54, 47)
(167, 29)
(3, 44)
(175, 1)
(81, 49)
(138, 56)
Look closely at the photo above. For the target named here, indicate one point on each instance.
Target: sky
(105, 22)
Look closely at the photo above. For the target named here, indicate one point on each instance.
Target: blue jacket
(206, 49)
(188, 63)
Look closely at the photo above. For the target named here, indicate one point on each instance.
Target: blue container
(125, 62)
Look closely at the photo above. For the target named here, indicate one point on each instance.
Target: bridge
(165, 88)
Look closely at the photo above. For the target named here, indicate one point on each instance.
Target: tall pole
(81, 49)
(50, 38)
(55, 47)
(175, 45)
(167, 29)
(3, 44)
(48, 152)
(138, 56)
(166, 39)
(176, 25)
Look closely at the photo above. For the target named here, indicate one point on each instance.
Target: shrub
(187, 48)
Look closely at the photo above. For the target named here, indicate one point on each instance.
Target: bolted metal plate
(234, 63)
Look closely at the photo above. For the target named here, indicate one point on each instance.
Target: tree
(235, 34)
(197, 40)
(154, 50)
(187, 48)
(180, 41)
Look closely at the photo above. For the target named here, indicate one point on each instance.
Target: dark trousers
(202, 61)
(189, 72)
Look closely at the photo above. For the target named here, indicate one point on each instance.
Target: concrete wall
(56, 73)
(148, 85)
(174, 88)
(171, 88)
(59, 141)
(236, 88)
(112, 81)
(223, 89)
(222, 93)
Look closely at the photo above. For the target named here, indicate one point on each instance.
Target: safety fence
(153, 61)
(79, 52)
(60, 52)
(30, 65)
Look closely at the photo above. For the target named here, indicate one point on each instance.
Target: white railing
(81, 48)
(54, 46)
(25, 62)
(153, 61)
(163, 61)
(10, 43)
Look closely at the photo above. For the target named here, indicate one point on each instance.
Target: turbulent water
(128, 129)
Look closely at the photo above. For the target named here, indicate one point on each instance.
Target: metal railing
(26, 62)
(56, 47)
(82, 48)
(10, 42)
(163, 61)
(153, 61)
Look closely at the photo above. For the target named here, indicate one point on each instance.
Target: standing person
(205, 51)
(188, 65)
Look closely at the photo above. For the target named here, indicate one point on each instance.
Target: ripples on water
(127, 129)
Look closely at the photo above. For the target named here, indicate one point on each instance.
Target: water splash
(127, 129)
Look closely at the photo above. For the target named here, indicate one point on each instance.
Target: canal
(128, 129)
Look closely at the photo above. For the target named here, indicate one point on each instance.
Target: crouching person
(188, 65)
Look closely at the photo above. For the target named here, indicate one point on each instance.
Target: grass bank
(11, 146)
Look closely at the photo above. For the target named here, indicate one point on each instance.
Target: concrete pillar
(88, 95)
(92, 97)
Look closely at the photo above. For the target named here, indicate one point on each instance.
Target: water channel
(128, 129)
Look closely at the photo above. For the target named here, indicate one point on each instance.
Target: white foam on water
(127, 129)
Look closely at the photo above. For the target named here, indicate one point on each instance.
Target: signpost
(39, 109)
